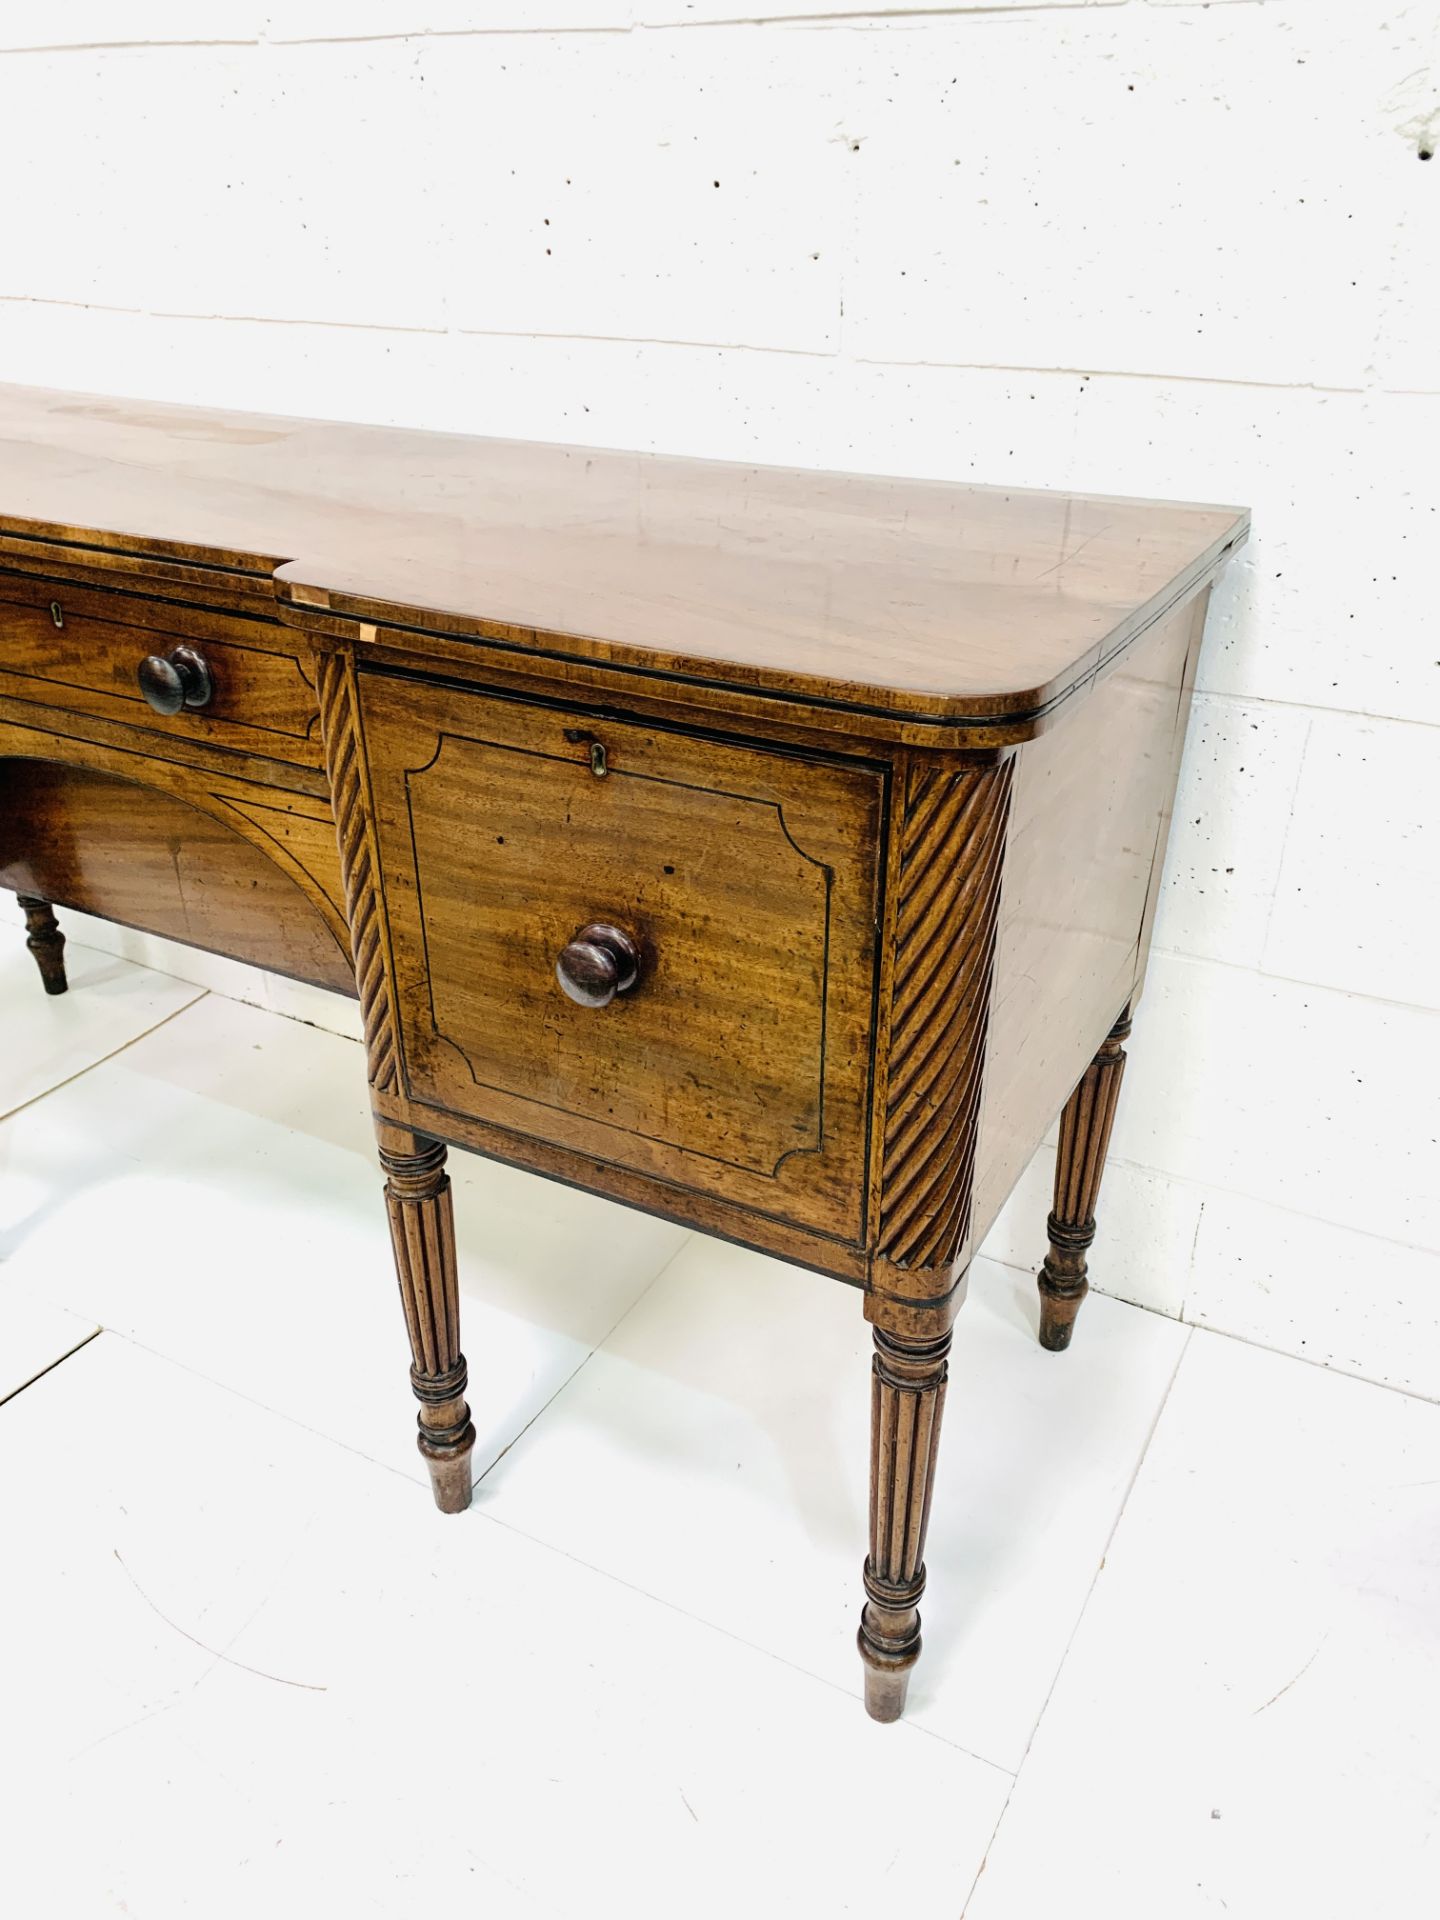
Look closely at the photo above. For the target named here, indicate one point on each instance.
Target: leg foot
(45, 941)
(907, 1399)
(422, 1230)
(451, 1481)
(885, 1692)
(1058, 1310)
(1079, 1166)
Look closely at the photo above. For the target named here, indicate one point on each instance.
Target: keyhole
(57, 613)
(597, 760)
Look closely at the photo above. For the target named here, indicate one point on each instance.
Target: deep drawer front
(739, 1062)
(79, 649)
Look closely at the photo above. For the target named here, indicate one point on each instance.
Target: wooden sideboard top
(936, 601)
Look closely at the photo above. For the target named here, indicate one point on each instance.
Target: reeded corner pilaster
(1085, 1128)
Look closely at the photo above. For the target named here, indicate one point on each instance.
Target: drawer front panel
(739, 1062)
(80, 650)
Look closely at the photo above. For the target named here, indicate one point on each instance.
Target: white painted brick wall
(1143, 246)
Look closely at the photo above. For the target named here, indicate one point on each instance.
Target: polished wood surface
(776, 852)
(1079, 1166)
(127, 852)
(46, 941)
(1089, 820)
(949, 838)
(917, 597)
(739, 1062)
(422, 1232)
(84, 649)
(907, 1398)
(598, 963)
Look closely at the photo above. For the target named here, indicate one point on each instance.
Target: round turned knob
(174, 680)
(599, 962)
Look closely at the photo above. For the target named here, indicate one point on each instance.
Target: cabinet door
(739, 1061)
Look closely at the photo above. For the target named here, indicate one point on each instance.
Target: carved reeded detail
(906, 1401)
(949, 891)
(1079, 1166)
(422, 1228)
(45, 941)
(340, 730)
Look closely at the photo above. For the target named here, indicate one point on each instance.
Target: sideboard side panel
(1089, 821)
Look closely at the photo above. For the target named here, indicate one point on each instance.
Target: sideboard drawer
(738, 1062)
(80, 649)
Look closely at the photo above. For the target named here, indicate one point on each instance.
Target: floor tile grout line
(262, 1406)
(581, 1365)
(545, 1546)
(536, 1540)
(1307, 1360)
(1084, 1608)
(729, 1633)
(1189, 1183)
(201, 993)
(1245, 1339)
(69, 1354)
(629, 1586)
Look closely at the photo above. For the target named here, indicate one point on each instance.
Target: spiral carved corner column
(422, 1231)
(1079, 1167)
(45, 941)
(953, 829)
(417, 1187)
(338, 700)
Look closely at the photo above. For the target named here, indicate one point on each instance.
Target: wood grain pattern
(907, 1400)
(340, 721)
(182, 865)
(887, 596)
(45, 941)
(953, 840)
(1085, 1127)
(1089, 813)
(739, 1064)
(262, 699)
(422, 1233)
(873, 777)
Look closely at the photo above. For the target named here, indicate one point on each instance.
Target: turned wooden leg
(422, 1227)
(1084, 1137)
(906, 1400)
(45, 941)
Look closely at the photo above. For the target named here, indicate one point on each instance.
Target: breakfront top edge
(938, 603)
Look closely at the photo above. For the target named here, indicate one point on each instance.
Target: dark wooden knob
(599, 962)
(176, 679)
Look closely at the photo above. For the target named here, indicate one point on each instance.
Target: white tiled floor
(1181, 1643)
(49, 1039)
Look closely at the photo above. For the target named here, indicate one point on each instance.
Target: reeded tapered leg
(906, 1401)
(1084, 1138)
(422, 1228)
(45, 941)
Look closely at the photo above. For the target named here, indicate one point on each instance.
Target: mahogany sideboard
(774, 851)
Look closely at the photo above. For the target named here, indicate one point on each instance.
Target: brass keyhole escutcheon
(57, 613)
(598, 764)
